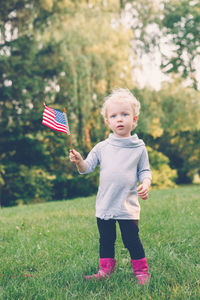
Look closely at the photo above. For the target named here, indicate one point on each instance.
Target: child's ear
(135, 119)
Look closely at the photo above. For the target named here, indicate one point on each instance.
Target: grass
(46, 249)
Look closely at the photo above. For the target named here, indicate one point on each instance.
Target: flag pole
(70, 142)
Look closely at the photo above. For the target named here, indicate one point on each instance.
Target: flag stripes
(55, 119)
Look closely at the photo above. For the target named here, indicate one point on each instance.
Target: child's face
(120, 119)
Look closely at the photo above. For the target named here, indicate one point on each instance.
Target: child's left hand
(143, 190)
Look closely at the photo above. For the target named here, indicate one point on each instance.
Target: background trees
(71, 54)
(181, 24)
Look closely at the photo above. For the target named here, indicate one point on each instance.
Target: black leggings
(130, 236)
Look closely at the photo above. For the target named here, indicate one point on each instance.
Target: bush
(163, 175)
(76, 185)
(24, 185)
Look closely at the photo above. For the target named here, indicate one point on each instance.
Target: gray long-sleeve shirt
(123, 162)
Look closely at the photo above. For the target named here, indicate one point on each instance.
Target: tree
(68, 54)
(169, 123)
(181, 25)
(99, 60)
(170, 28)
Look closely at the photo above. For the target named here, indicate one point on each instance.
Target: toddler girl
(123, 162)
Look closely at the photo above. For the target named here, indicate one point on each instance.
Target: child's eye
(124, 114)
(113, 116)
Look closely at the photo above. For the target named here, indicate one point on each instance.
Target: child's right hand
(75, 156)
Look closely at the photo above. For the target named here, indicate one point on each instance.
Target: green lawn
(56, 244)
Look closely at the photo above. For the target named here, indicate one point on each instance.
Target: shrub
(25, 185)
(163, 175)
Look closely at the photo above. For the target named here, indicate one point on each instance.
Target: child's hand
(143, 189)
(75, 157)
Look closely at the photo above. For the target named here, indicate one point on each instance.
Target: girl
(123, 162)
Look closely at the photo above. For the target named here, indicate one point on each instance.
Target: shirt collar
(127, 142)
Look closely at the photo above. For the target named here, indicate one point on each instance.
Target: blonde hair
(120, 95)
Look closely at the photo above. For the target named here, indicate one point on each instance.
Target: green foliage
(180, 108)
(169, 123)
(181, 23)
(183, 152)
(172, 28)
(60, 52)
(25, 185)
(2, 172)
(38, 185)
(71, 54)
(75, 185)
(163, 175)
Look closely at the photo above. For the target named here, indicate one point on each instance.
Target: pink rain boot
(107, 266)
(140, 269)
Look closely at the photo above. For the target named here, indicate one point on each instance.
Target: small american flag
(55, 119)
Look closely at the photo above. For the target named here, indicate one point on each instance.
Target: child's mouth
(120, 126)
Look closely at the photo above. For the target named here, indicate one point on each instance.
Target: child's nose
(119, 118)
